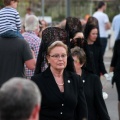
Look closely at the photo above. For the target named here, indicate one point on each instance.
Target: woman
(93, 21)
(92, 87)
(71, 36)
(62, 90)
(91, 34)
(74, 30)
(50, 35)
(115, 68)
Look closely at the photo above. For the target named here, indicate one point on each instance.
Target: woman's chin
(61, 67)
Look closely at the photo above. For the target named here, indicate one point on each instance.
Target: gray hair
(31, 23)
(18, 97)
(80, 53)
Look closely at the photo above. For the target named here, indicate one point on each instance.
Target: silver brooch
(68, 81)
(83, 81)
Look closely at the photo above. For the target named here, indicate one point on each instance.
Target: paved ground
(111, 101)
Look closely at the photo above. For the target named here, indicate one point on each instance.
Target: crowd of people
(53, 73)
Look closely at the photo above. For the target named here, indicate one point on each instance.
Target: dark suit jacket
(93, 92)
(115, 62)
(61, 106)
(98, 59)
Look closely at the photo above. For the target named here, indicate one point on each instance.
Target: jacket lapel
(50, 81)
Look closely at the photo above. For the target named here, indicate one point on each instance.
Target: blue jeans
(12, 34)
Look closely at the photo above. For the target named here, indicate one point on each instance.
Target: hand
(79, 35)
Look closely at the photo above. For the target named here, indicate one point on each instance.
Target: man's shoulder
(13, 40)
(117, 17)
(8, 13)
(96, 13)
(99, 13)
(29, 37)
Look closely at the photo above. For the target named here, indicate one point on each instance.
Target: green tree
(1, 3)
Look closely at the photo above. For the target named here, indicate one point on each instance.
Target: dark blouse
(98, 59)
(93, 92)
(61, 106)
(115, 62)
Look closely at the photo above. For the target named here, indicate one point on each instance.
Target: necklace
(60, 84)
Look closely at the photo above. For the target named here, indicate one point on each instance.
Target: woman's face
(76, 62)
(93, 35)
(57, 58)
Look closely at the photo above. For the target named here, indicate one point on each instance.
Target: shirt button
(62, 104)
(61, 113)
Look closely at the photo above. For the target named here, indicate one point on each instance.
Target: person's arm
(18, 22)
(111, 69)
(36, 46)
(107, 23)
(30, 64)
(113, 24)
(100, 106)
(114, 58)
(102, 66)
(78, 35)
(101, 63)
(28, 56)
(107, 26)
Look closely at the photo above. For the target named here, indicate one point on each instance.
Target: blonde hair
(56, 44)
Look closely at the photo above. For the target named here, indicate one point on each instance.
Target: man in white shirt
(104, 24)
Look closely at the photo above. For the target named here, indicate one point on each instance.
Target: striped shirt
(34, 43)
(9, 20)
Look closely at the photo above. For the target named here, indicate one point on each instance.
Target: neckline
(60, 84)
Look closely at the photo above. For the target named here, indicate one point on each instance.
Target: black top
(115, 62)
(98, 59)
(13, 54)
(93, 93)
(61, 106)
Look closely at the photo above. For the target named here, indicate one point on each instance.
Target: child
(10, 20)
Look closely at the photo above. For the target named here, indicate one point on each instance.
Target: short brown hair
(79, 52)
(7, 2)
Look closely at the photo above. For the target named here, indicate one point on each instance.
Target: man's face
(104, 7)
(14, 4)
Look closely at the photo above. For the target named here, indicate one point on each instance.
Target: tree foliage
(57, 8)
(1, 3)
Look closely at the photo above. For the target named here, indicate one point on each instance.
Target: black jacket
(93, 92)
(115, 62)
(61, 106)
(98, 59)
